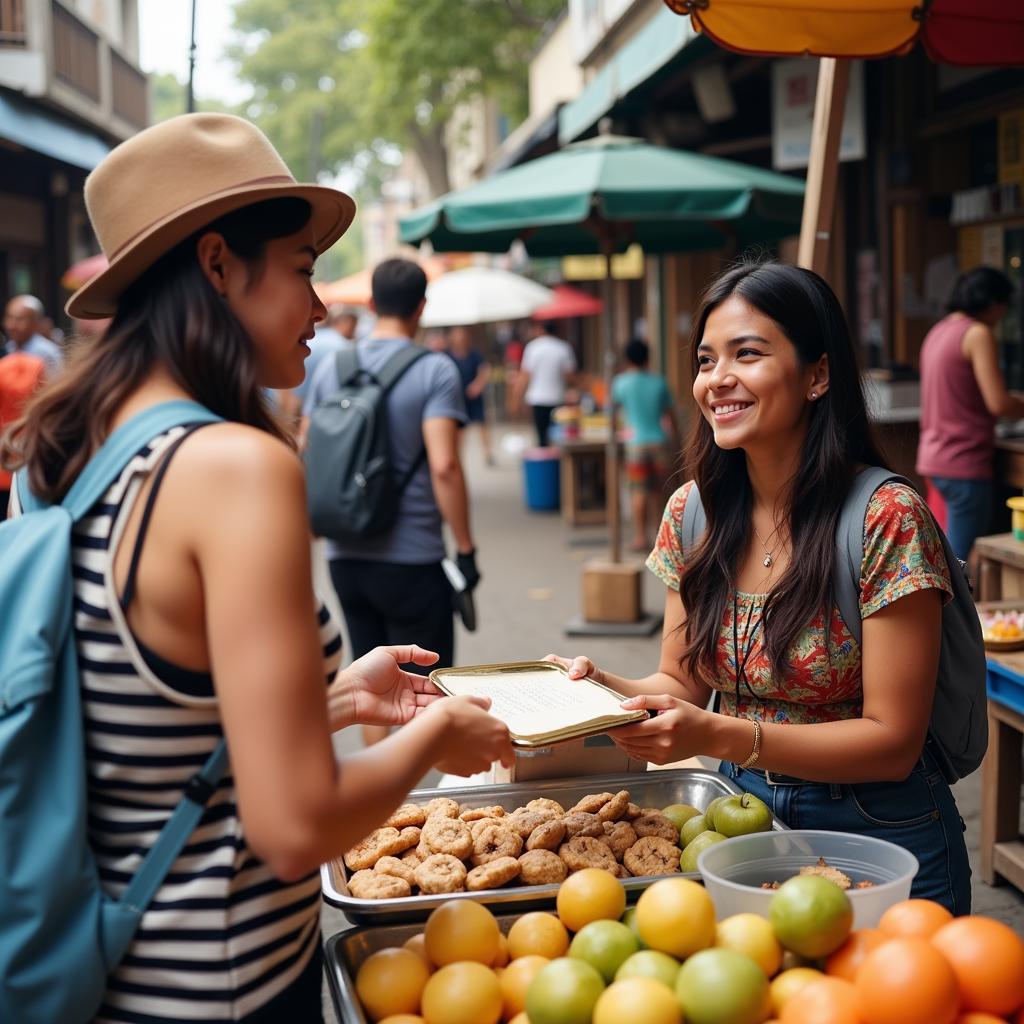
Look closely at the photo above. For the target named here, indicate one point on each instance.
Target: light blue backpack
(60, 935)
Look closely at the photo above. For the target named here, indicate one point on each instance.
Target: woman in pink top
(962, 395)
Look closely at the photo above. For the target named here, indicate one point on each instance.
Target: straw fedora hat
(167, 182)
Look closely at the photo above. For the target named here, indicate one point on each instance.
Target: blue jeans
(918, 814)
(968, 511)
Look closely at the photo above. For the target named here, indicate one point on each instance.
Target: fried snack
(442, 806)
(632, 811)
(592, 803)
(586, 852)
(616, 807)
(582, 823)
(618, 836)
(652, 855)
(414, 856)
(542, 867)
(492, 874)
(476, 827)
(496, 841)
(397, 868)
(407, 814)
(369, 885)
(547, 836)
(621, 871)
(525, 821)
(826, 870)
(655, 824)
(382, 842)
(441, 873)
(542, 803)
(448, 835)
(410, 836)
(476, 813)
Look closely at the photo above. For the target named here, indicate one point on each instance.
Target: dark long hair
(170, 316)
(838, 440)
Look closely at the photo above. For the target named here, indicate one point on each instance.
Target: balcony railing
(12, 23)
(129, 91)
(76, 53)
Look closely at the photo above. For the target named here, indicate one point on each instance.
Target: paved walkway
(531, 564)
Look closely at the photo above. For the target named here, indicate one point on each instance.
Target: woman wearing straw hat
(195, 615)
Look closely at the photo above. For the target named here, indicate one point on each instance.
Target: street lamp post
(190, 99)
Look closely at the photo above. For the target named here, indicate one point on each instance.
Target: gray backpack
(351, 487)
(958, 729)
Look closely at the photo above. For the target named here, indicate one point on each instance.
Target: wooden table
(1002, 851)
(1000, 567)
(584, 482)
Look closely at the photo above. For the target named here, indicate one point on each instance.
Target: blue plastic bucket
(541, 469)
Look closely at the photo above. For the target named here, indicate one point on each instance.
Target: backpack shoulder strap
(347, 364)
(393, 369)
(694, 521)
(103, 468)
(850, 544)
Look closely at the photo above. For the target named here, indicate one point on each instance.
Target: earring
(814, 394)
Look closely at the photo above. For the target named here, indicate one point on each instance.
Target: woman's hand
(676, 730)
(471, 740)
(374, 690)
(579, 667)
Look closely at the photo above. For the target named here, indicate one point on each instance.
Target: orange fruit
(907, 981)
(539, 934)
(843, 963)
(417, 943)
(919, 919)
(676, 916)
(973, 1017)
(501, 958)
(988, 959)
(390, 981)
(402, 1018)
(461, 930)
(827, 1001)
(787, 983)
(515, 980)
(590, 895)
(462, 993)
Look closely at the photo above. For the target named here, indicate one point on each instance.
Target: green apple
(709, 811)
(564, 992)
(719, 986)
(629, 920)
(741, 814)
(605, 945)
(810, 915)
(650, 963)
(693, 828)
(679, 814)
(688, 859)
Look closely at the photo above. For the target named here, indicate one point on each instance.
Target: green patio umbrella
(600, 196)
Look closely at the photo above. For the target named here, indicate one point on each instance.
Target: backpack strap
(850, 544)
(175, 834)
(346, 363)
(396, 366)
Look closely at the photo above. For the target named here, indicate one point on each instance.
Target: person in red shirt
(20, 375)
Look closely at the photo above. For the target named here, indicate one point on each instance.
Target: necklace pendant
(767, 563)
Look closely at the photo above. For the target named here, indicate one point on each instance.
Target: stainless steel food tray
(345, 951)
(695, 786)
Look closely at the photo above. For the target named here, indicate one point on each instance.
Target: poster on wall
(794, 83)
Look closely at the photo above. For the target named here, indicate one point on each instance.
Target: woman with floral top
(830, 734)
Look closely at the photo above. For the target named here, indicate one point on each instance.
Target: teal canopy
(618, 190)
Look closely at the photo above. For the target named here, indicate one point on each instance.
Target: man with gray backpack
(384, 473)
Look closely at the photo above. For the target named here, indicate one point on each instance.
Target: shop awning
(985, 33)
(661, 39)
(43, 132)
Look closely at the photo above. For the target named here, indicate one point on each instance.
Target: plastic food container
(734, 870)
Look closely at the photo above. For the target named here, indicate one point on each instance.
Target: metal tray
(696, 786)
(345, 951)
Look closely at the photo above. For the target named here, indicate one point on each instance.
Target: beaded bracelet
(755, 752)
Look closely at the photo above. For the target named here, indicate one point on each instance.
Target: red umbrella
(569, 302)
(83, 271)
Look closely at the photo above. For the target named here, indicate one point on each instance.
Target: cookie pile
(444, 847)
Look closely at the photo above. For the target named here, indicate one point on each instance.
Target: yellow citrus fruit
(520, 1018)
(462, 993)
(788, 983)
(501, 958)
(461, 930)
(751, 935)
(637, 1001)
(537, 933)
(590, 895)
(391, 981)
(676, 916)
(515, 980)
(418, 945)
(402, 1018)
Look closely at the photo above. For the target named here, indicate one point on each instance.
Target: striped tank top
(223, 936)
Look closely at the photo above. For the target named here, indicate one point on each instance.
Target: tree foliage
(343, 82)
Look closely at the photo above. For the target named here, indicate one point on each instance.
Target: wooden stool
(1002, 852)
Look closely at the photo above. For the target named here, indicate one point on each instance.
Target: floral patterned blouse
(902, 554)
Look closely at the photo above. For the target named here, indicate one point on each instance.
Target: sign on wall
(794, 84)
